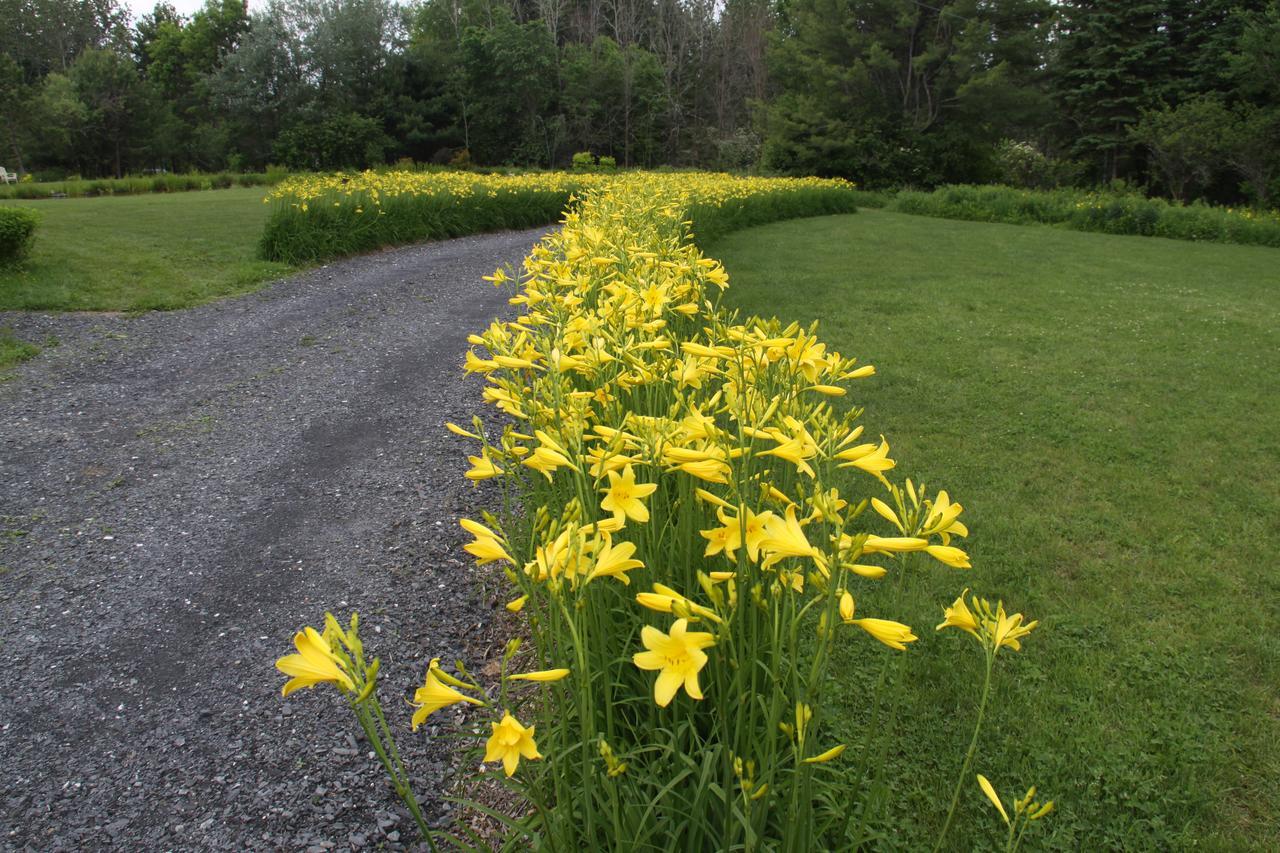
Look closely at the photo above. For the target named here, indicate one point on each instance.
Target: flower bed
(692, 513)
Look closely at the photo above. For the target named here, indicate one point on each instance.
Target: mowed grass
(140, 253)
(1107, 409)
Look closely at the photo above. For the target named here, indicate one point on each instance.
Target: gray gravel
(180, 492)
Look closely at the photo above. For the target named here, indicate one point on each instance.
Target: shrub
(1120, 211)
(608, 164)
(17, 232)
(584, 161)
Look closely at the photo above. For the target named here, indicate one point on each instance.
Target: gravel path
(179, 493)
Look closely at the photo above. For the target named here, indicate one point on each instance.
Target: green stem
(968, 758)
(399, 779)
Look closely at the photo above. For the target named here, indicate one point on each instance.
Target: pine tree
(1114, 60)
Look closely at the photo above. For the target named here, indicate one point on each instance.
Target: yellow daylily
(543, 676)
(785, 538)
(482, 468)
(434, 694)
(895, 635)
(987, 789)
(624, 496)
(509, 743)
(677, 657)
(959, 616)
(315, 663)
(950, 555)
(830, 755)
(487, 546)
(614, 561)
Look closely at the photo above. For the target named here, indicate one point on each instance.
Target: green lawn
(139, 253)
(1108, 411)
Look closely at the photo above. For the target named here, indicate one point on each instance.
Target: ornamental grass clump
(693, 518)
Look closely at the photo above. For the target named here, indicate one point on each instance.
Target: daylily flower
(543, 676)
(509, 743)
(678, 658)
(482, 468)
(623, 497)
(315, 663)
(487, 546)
(434, 694)
(958, 616)
(613, 560)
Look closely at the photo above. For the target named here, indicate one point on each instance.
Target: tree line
(1181, 96)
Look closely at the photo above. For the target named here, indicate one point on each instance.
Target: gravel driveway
(180, 492)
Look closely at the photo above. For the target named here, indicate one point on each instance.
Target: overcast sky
(184, 7)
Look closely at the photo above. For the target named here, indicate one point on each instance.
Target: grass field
(1106, 409)
(141, 253)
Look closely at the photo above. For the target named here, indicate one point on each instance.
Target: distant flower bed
(78, 188)
(1106, 212)
(318, 217)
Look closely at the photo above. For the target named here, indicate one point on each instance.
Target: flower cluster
(712, 463)
(692, 513)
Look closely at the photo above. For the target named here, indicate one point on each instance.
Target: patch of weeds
(14, 350)
(307, 341)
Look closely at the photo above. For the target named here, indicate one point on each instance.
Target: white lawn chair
(7, 177)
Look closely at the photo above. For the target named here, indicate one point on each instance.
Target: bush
(17, 232)
(584, 161)
(1120, 211)
(608, 164)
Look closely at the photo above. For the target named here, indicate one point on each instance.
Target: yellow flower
(822, 758)
(509, 743)
(868, 457)
(434, 694)
(315, 663)
(991, 795)
(990, 626)
(953, 557)
(482, 468)
(544, 460)
(847, 606)
(755, 531)
(893, 544)
(796, 449)
(726, 539)
(614, 560)
(664, 599)
(895, 635)
(886, 512)
(542, 675)
(1009, 629)
(678, 658)
(958, 616)
(892, 634)
(785, 538)
(943, 519)
(623, 497)
(487, 547)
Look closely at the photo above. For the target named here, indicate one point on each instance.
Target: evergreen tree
(1114, 61)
